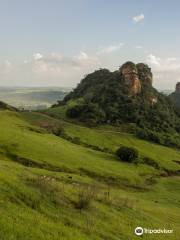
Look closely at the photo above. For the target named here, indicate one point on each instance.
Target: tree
(127, 154)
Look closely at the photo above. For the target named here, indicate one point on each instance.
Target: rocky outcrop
(178, 87)
(153, 100)
(145, 74)
(136, 76)
(175, 96)
(130, 74)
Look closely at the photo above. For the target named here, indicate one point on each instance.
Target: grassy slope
(111, 138)
(38, 207)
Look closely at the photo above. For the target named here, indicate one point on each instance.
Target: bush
(88, 112)
(74, 112)
(127, 154)
(85, 198)
(150, 162)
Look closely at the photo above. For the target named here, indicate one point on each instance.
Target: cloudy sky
(57, 42)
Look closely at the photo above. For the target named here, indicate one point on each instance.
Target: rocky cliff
(145, 74)
(175, 96)
(130, 74)
(178, 87)
(136, 76)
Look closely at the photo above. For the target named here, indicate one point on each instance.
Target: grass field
(53, 189)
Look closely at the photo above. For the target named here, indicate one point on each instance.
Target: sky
(58, 42)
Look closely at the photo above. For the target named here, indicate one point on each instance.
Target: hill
(121, 97)
(61, 179)
(52, 188)
(5, 106)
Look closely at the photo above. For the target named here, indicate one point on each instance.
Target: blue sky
(56, 42)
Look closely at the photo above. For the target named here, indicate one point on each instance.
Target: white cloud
(166, 70)
(57, 63)
(57, 69)
(6, 67)
(138, 47)
(171, 59)
(82, 56)
(164, 64)
(138, 18)
(37, 56)
(110, 49)
(152, 59)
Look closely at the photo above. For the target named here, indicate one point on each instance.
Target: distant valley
(32, 98)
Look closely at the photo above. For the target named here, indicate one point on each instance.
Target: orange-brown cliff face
(178, 87)
(145, 74)
(137, 77)
(130, 74)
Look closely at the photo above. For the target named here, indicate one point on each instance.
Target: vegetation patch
(117, 182)
(50, 188)
(31, 163)
(85, 197)
(127, 154)
(150, 162)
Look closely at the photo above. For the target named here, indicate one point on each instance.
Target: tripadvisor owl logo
(139, 231)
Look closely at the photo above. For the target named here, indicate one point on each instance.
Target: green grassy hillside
(109, 138)
(54, 189)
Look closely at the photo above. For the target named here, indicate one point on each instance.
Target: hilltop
(5, 106)
(125, 96)
(175, 96)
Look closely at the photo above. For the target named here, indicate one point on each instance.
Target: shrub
(85, 198)
(88, 112)
(150, 162)
(74, 112)
(127, 154)
(76, 140)
(58, 131)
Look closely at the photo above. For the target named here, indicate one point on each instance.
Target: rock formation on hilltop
(145, 74)
(136, 76)
(130, 74)
(125, 96)
(178, 87)
(175, 96)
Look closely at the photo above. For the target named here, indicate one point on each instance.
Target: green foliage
(175, 97)
(167, 139)
(4, 106)
(75, 111)
(87, 112)
(151, 162)
(127, 154)
(106, 99)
